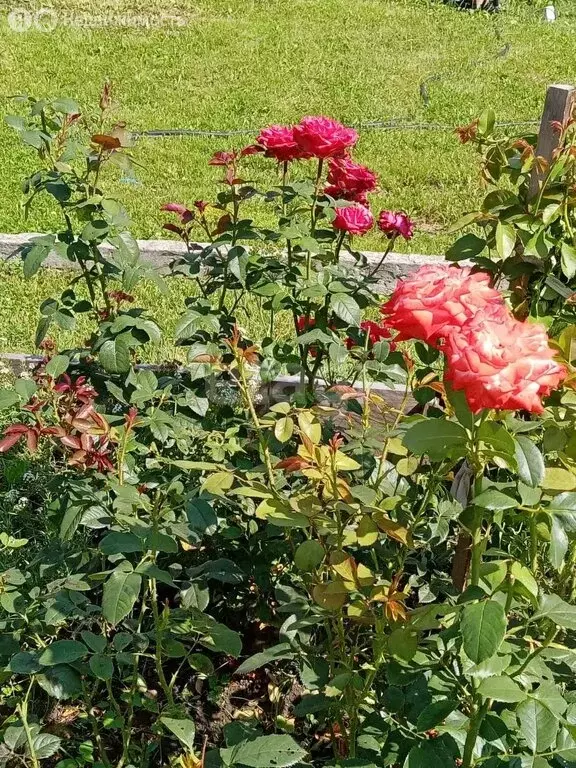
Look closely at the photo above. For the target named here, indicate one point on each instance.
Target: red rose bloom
(436, 300)
(323, 137)
(304, 323)
(355, 219)
(349, 180)
(376, 332)
(278, 142)
(394, 223)
(502, 363)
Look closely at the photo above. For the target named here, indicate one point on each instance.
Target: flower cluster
(319, 137)
(347, 182)
(496, 360)
(326, 139)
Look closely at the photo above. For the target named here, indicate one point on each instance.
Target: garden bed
(238, 560)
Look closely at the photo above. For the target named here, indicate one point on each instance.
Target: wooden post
(559, 104)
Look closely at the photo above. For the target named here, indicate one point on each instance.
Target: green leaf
(121, 591)
(558, 479)
(538, 725)
(8, 398)
(114, 355)
(275, 653)
(24, 663)
(310, 426)
(201, 517)
(57, 365)
(45, 745)
(309, 555)
(184, 730)
(218, 483)
(220, 638)
(558, 544)
(346, 308)
(161, 542)
(568, 260)
(505, 239)
(201, 663)
(276, 751)
(494, 500)
(496, 437)
(151, 571)
(25, 388)
(530, 462)
(36, 254)
(66, 105)
(102, 666)
(557, 610)
(487, 121)
(466, 247)
(196, 596)
(434, 753)
(435, 437)
(62, 652)
(563, 508)
(501, 688)
(283, 429)
(483, 626)
(119, 542)
(435, 713)
(61, 682)
(523, 576)
(94, 642)
(549, 695)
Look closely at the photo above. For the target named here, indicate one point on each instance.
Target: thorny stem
(473, 731)
(338, 248)
(384, 255)
(533, 545)
(130, 716)
(22, 710)
(156, 616)
(547, 641)
(94, 724)
(243, 383)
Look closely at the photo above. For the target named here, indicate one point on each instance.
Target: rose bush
(376, 571)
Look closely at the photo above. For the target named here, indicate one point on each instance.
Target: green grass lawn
(21, 299)
(246, 63)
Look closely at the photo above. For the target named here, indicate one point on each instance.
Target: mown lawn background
(242, 64)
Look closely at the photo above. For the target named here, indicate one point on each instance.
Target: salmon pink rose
(323, 137)
(436, 300)
(355, 219)
(502, 363)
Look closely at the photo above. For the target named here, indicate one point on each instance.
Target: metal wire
(378, 125)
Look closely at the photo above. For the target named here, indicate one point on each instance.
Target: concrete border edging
(160, 254)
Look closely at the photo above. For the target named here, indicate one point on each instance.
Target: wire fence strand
(377, 125)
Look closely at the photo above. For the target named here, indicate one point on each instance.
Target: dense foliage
(375, 571)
